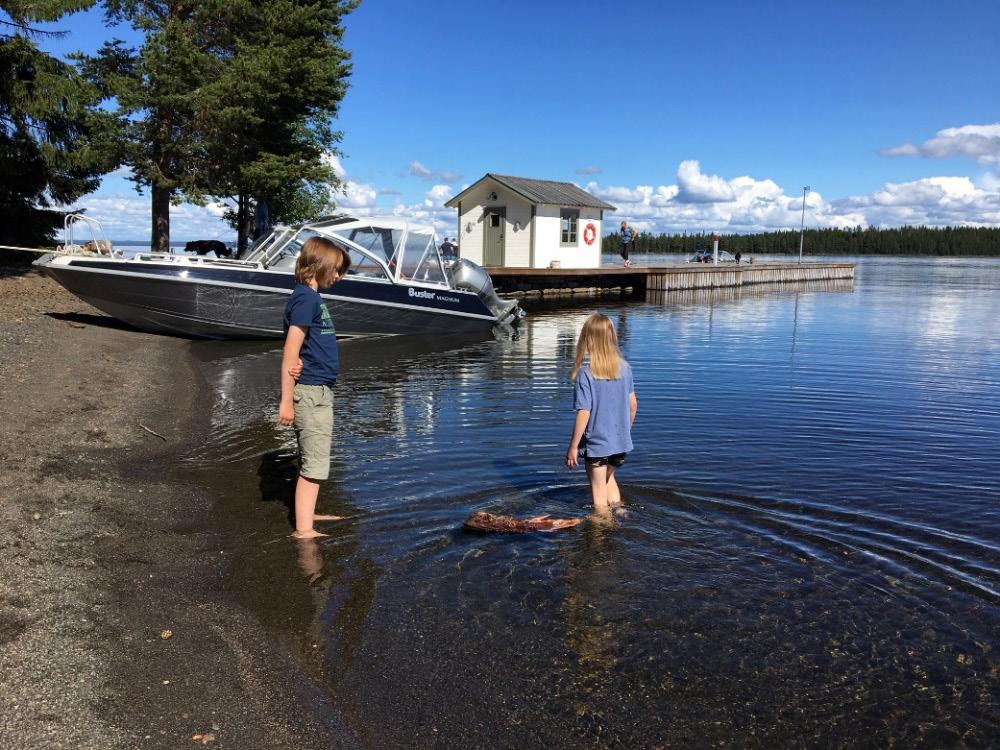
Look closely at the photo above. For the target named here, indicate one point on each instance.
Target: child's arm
(582, 417)
(289, 358)
(633, 407)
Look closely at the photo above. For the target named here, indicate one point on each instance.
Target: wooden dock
(550, 281)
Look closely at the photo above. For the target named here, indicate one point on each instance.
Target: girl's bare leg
(598, 476)
(614, 494)
(306, 492)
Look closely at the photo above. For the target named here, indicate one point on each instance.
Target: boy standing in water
(605, 403)
(311, 339)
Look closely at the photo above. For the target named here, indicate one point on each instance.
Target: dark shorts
(616, 460)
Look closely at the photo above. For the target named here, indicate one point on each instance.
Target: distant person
(448, 250)
(738, 256)
(311, 358)
(627, 235)
(605, 403)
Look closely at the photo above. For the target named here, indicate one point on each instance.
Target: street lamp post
(802, 226)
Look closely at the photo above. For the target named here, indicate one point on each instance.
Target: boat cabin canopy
(381, 249)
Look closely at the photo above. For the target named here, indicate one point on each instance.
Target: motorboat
(397, 283)
(705, 256)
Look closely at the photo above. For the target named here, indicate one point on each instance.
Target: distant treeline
(857, 241)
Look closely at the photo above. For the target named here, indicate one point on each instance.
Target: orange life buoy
(589, 234)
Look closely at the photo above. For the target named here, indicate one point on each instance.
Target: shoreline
(108, 546)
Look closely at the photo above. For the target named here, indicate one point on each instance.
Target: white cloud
(436, 196)
(696, 202)
(419, 170)
(931, 201)
(745, 204)
(989, 182)
(695, 187)
(333, 161)
(354, 195)
(416, 169)
(907, 149)
(978, 142)
(128, 217)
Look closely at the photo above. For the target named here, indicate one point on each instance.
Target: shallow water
(810, 556)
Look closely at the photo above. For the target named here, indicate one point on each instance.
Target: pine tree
(158, 92)
(228, 98)
(277, 97)
(53, 141)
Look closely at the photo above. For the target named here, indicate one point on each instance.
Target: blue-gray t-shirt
(608, 430)
(320, 355)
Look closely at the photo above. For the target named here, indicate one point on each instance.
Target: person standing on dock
(448, 250)
(628, 242)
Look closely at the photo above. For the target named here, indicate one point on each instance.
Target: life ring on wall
(589, 234)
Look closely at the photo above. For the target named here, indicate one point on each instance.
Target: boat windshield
(421, 261)
(283, 253)
(376, 251)
(259, 246)
(382, 243)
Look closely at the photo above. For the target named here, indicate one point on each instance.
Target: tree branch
(30, 29)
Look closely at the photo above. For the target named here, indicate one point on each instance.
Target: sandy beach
(114, 630)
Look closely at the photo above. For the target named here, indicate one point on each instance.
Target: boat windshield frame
(268, 251)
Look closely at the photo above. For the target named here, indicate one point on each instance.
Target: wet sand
(106, 546)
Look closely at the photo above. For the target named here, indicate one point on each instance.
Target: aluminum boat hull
(204, 301)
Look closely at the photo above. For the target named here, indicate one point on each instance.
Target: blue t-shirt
(320, 356)
(609, 430)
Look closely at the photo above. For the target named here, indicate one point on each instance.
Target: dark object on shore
(489, 523)
(204, 247)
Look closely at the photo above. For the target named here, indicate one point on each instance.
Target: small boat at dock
(397, 284)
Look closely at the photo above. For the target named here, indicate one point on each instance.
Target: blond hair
(599, 342)
(321, 259)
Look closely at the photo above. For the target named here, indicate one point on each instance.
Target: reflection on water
(810, 557)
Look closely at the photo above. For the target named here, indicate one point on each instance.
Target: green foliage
(229, 98)
(276, 98)
(54, 143)
(857, 241)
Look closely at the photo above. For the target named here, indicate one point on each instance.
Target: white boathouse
(517, 222)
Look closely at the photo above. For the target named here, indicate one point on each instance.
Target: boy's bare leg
(306, 492)
(598, 476)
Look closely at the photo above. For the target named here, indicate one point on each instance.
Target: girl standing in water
(605, 403)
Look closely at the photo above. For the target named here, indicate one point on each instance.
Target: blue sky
(687, 118)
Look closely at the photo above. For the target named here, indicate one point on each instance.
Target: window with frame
(568, 220)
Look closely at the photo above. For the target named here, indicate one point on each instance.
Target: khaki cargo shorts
(314, 428)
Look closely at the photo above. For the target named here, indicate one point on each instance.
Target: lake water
(810, 556)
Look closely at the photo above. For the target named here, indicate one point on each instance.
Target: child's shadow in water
(279, 471)
(277, 474)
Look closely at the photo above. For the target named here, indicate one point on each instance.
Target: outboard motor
(464, 274)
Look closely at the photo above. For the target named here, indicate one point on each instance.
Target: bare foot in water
(323, 517)
(619, 510)
(602, 517)
(311, 534)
